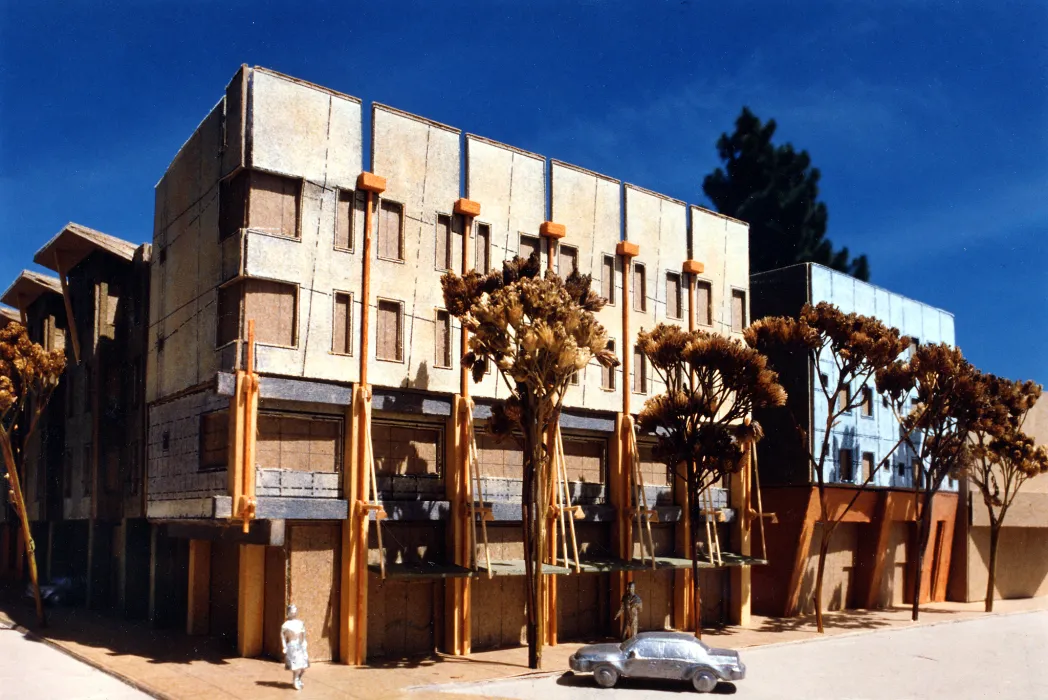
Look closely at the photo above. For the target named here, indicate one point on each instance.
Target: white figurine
(293, 642)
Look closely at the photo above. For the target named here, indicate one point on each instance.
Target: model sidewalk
(169, 664)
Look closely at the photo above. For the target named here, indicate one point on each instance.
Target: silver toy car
(673, 655)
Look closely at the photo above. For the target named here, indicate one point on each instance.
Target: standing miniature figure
(293, 642)
(629, 611)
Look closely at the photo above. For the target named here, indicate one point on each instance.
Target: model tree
(701, 423)
(856, 347)
(1003, 457)
(28, 377)
(950, 401)
(537, 331)
(775, 189)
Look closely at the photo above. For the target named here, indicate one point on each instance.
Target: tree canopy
(775, 189)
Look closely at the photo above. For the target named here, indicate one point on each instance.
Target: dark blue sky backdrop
(929, 121)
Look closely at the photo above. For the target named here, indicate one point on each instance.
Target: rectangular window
(407, 449)
(867, 465)
(655, 473)
(214, 440)
(342, 325)
(640, 288)
(843, 399)
(703, 303)
(390, 230)
(530, 245)
(574, 379)
(884, 400)
(738, 310)
(228, 313)
(674, 303)
(901, 466)
(442, 259)
(825, 380)
(274, 308)
(389, 326)
(567, 260)
(584, 459)
(345, 214)
(607, 278)
(483, 259)
(845, 461)
(298, 443)
(273, 204)
(443, 338)
(232, 205)
(607, 374)
(867, 402)
(640, 371)
(86, 470)
(503, 460)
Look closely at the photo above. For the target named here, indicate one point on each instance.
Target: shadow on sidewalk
(118, 637)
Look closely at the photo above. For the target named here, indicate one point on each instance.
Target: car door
(647, 659)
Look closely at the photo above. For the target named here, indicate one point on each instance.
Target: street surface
(35, 671)
(993, 657)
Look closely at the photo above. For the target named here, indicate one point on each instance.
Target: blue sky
(929, 121)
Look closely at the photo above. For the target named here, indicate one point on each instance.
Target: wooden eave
(75, 242)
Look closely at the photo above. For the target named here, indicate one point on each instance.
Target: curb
(126, 680)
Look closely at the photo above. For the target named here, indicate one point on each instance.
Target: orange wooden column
(458, 592)
(353, 571)
(250, 599)
(198, 604)
(552, 232)
(800, 556)
(741, 576)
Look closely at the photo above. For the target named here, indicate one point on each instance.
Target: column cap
(550, 229)
(693, 267)
(467, 207)
(627, 249)
(370, 182)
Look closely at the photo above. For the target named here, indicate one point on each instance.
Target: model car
(671, 655)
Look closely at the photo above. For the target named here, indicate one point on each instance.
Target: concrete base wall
(1022, 562)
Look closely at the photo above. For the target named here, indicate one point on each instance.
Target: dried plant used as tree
(28, 377)
(858, 347)
(1003, 457)
(951, 400)
(537, 331)
(700, 423)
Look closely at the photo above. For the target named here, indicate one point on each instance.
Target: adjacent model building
(267, 220)
(869, 562)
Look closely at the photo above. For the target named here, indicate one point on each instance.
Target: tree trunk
(534, 516)
(923, 526)
(824, 548)
(15, 487)
(991, 573)
(695, 516)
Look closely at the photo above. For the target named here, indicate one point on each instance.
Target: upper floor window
(607, 278)
(866, 407)
(567, 260)
(607, 374)
(443, 339)
(390, 330)
(442, 255)
(674, 302)
(342, 324)
(390, 230)
(274, 308)
(867, 466)
(640, 371)
(738, 310)
(844, 399)
(845, 465)
(530, 245)
(214, 439)
(640, 288)
(483, 259)
(346, 208)
(299, 442)
(273, 204)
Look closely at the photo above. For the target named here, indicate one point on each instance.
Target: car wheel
(704, 681)
(606, 676)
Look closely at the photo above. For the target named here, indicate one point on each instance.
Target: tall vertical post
(458, 592)
(353, 565)
(742, 527)
(251, 599)
(199, 600)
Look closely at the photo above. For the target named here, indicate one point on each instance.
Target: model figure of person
(629, 611)
(293, 642)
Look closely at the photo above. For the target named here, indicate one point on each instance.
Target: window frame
(708, 284)
(295, 318)
(382, 201)
(441, 431)
(520, 244)
(633, 287)
(610, 387)
(745, 309)
(642, 367)
(340, 444)
(850, 478)
(475, 230)
(611, 288)
(300, 182)
(352, 233)
(449, 243)
(349, 322)
(560, 251)
(866, 406)
(449, 352)
(679, 294)
(873, 465)
(204, 468)
(400, 330)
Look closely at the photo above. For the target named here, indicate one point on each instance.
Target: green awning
(422, 569)
(727, 559)
(515, 567)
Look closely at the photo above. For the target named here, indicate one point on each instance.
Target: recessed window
(274, 308)
(866, 407)
(530, 245)
(214, 440)
(901, 467)
(607, 278)
(867, 465)
(229, 302)
(845, 463)
(844, 399)
(884, 400)
(443, 339)
(390, 230)
(640, 371)
(674, 303)
(443, 247)
(703, 303)
(640, 288)
(389, 326)
(483, 259)
(607, 374)
(574, 378)
(738, 310)
(342, 324)
(407, 449)
(345, 217)
(567, 260)
(273, 204)
(298, 443)
(232, 204)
